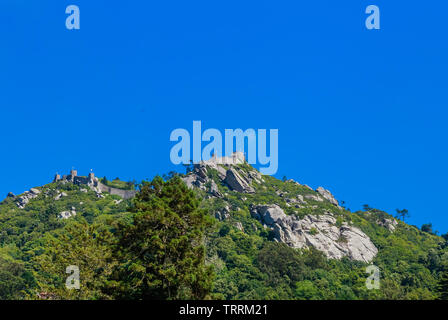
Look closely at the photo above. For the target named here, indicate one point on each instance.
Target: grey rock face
(228, 173)
(23, 200)
(60, 195)
(390, 224)
(236, 182)
(313, 197)
(293, 181)
(297, 202)
(34, 191)
(214, 189)
(223, 214)
(239, 226)
(327, 195)
(319, 232)
(198, 178)
(67, 214)
(189, 180)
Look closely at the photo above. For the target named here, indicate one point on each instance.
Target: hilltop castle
(94, 184)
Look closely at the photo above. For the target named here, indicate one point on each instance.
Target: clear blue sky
(363, 113)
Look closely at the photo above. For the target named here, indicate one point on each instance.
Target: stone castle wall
(94, 184)
(125, 194)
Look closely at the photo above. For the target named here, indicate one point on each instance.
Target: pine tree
(162, 253)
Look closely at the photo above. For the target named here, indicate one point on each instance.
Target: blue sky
(362, 113)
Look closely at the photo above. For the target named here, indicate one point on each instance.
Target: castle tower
(74, 173)
(57, 177)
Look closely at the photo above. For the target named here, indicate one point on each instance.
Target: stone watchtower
(91, 177)
(57, 177)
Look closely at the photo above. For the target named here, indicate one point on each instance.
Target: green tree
(79, 244)
(162, 253)
(305, 290)
(14, 279)
(402, 214)
(443, 285)
(427, 227)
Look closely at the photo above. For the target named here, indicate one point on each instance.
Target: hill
(271, 239)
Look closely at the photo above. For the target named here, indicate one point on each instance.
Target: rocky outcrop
(228, 173)
(297, 202)
(197, 178)
(67, 214)
(319, 232)
(60, 195)
(23, 200)
(314, 197)
(389, 224)
(223, 213)
(327, 195)
(214, 191)
(239, 226)
(237, 183)
(293, 181)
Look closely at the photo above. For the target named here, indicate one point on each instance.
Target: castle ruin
(94, 184)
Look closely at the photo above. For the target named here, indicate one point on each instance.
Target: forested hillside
(218, 232)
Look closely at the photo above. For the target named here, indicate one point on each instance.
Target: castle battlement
(93, 182)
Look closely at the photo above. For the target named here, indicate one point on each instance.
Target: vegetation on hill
(167, 244)
(119, 184)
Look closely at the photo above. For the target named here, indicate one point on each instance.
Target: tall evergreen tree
(162, 253)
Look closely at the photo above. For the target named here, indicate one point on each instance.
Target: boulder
(293, 181)
(25, 198)
(319, 232)
(313, 197)
(60, 195)
(34, 191)
(236, 182)
(223, 214)
(239, 226)
(189, 180)
(389, 224)
(327, 195)
(214, 189)
(67, 214)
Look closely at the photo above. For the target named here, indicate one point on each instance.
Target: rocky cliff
(295, 214)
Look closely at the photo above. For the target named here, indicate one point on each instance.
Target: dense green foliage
(119, 184)
(161, 254)
(163, 245)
